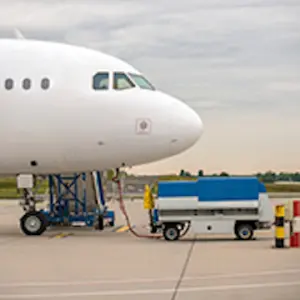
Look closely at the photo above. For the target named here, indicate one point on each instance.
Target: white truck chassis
(175, 216)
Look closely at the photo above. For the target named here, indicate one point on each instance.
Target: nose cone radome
(187, 127)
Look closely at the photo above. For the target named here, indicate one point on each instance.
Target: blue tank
(214, 189)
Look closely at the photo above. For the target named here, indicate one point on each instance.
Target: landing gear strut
(28, 203)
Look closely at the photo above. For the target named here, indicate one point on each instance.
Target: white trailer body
(213, 205)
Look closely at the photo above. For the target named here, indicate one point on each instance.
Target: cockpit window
(101, 81)
(141, 81)
(121, 81)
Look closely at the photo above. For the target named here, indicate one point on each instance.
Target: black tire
(100, 223)
(153, 229)
(171, 233)
(34, 223)
(111, 223)
(244, 231)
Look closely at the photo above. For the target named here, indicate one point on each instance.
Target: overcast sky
(236, 62)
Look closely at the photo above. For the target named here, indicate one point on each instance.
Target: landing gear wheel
(244, 232)
(33, 223)
(171, 232)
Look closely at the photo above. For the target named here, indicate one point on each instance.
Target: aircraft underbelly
(52, 157)
(42, 146)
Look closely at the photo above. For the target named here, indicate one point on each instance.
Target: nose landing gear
(33, 222)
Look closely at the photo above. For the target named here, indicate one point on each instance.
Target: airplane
(67, 108)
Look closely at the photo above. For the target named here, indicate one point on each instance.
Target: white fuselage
(72, 127)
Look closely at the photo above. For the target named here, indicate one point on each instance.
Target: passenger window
(101, 81)
(26, 84)
(9, 84)
(121, 82)
(45, 83)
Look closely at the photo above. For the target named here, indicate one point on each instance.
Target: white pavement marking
(145, 280)
(153, 291)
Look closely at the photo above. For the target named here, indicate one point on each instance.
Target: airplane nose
(187, 127)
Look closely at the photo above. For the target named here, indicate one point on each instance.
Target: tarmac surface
(113, 264)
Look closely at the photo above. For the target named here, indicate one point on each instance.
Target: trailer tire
(244, 231)
(171, 232)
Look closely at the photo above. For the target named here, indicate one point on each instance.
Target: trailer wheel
(244, 231)
(33, 223)
(171, 233)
